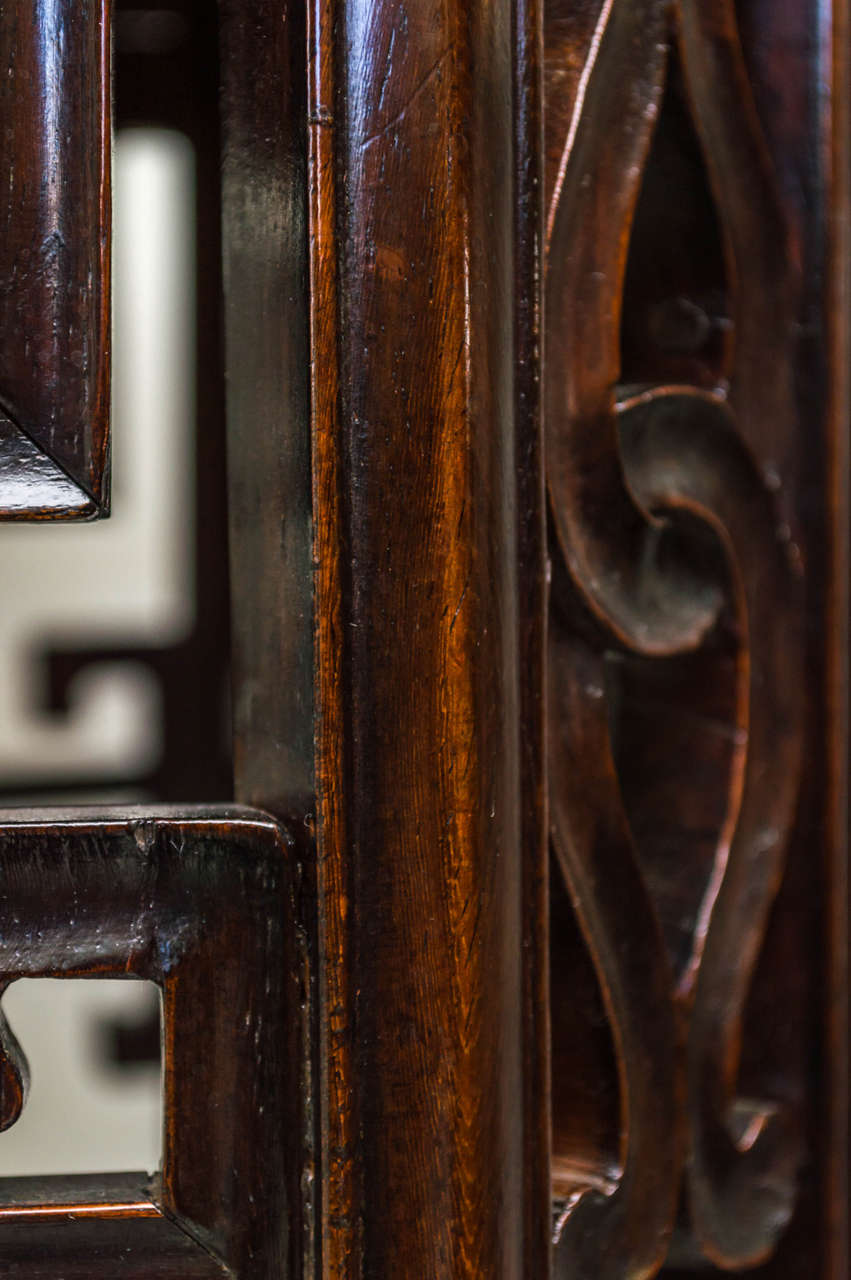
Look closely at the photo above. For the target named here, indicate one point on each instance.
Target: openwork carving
(673, 548)
(198, 903)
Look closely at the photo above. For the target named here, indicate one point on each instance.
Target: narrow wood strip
(423, 873)
(73, 1196)
(835, 125)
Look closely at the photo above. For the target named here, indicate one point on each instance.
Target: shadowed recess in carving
(675, 585)
(585, 1093)
(675, 737)
(682, 449)
(676, 324)
(632, 570)
(626, 1209)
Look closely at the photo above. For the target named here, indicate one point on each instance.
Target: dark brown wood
(422, 873)
(81, 1250)
(370, 1071)
(833, 1116)
(431, 876)
(54, 261)
(265, 198)
(691, 787)
(200, 903)
(532, 583)
(268, 360)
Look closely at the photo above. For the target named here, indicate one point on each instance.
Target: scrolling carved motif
(672, 541)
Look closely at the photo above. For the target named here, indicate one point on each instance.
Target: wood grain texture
(675, 516)
(54, 263)
(81, 1250)
(422, 875)
(202, 904)
(268, 358)
(268, 376)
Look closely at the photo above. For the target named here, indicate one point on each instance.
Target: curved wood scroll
(640, 484)
(54, 259)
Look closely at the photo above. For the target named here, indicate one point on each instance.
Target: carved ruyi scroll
(54, 259)
(673, 535)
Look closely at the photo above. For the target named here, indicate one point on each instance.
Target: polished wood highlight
(534, 964)
(430, 857)
(199, 903)
(420, 602)
(688, 686)
(55, 96)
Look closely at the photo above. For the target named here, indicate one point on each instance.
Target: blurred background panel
(114, 645)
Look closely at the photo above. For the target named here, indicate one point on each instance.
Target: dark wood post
(415, 418)
(428, 597)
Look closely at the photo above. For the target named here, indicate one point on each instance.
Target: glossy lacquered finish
(201, 904)
(689, 631)
(423, 871)
(432, 682)
(419, 606)
(54, 261)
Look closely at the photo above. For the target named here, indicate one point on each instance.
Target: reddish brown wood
(384, 197)
(415, 435)
(682, 786)
(430, 876)
(54, 261)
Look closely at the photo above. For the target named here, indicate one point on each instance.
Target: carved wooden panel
(54, 259)
(685, 624)
(367, 1092)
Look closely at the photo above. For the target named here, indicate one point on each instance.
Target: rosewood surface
(475, 254)
(696, 467)
(55, 143)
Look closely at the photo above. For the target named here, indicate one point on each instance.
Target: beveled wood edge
(129, 1197)
(34, 487)
(167, 1249)
(76, 1196)
(58, 494)
(114, 817)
